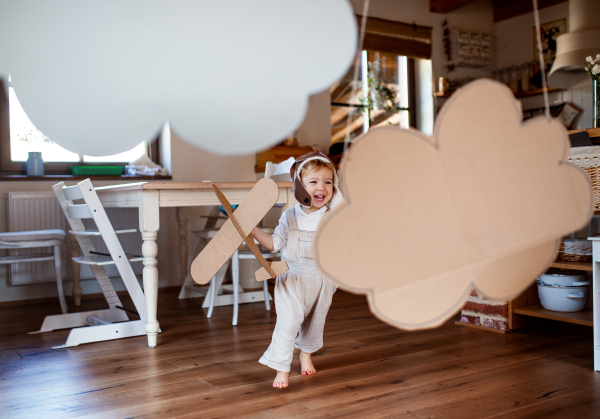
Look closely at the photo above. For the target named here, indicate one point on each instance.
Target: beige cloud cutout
(483, 203)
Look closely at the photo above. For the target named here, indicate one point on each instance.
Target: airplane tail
(277, 267)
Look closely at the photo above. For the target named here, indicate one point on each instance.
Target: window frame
(7, 166)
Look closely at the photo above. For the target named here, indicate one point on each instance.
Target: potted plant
(592, 66)
(381, 95)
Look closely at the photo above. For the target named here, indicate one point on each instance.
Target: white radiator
(41, 211)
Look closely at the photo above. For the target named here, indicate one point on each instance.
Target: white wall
(515, 45)
(316, 129)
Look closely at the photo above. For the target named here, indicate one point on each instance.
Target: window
(25, 137)
(394, 73)
(405, 48)
(19, 136)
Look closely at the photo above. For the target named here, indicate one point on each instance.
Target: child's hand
(263, 238)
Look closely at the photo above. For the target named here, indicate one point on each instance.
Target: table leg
(149, 224)
(182, 223)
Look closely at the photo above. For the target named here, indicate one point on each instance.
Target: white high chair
(111, 323)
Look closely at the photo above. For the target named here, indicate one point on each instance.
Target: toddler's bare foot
(281, 379)
(306, 365)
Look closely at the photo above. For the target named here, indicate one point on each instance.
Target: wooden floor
(207, 368)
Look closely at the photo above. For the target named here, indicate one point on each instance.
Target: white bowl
(562, 298)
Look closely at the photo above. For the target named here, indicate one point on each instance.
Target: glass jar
(35, 164)
(525, 76)
(443, 85)
(515, 79)
(506, 76)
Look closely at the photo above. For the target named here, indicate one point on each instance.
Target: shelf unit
(584, 317)
(575, 266)
(526, 310)
(518, 95)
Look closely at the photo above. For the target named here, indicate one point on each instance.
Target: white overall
(302, 300)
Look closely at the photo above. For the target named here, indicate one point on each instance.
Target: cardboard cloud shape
(232, 77)
(483, 203)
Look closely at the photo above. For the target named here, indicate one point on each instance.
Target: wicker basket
(566, 257)
(588, 160)
(594, 175)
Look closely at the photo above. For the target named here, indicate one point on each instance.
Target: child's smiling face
(319, 184)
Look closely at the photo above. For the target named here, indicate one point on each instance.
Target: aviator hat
(300, 192)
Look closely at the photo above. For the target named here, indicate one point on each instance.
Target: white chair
(111, 323)
(217, 293)
(189, 289)
(282, 172)
(279, 171)
(33, 239)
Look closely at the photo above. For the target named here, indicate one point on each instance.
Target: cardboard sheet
(483, 203)
(253, 208)
(278, 267)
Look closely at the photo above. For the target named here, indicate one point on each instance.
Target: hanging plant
(380, 96)
(447, 46)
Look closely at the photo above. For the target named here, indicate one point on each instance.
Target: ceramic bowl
(563, 298)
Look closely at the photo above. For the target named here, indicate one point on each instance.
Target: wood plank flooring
(206, 368)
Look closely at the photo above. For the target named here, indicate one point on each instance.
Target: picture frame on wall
(549, 32)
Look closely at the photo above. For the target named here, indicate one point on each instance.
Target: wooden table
(149, 198)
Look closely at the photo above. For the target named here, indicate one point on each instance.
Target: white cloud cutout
(232, 77)
(483, 203)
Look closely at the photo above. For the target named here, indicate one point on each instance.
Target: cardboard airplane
(236, 230)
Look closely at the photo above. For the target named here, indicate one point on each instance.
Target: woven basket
(594, 175)
(588, 160)
(566, 257)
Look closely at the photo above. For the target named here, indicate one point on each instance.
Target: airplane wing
(253, 208)
(249, 238)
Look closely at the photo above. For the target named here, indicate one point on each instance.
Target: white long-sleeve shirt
(307, 222)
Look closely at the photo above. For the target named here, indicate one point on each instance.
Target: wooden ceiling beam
(447, 6)
(506, 9)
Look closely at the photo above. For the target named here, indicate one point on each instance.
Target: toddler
(302, 295)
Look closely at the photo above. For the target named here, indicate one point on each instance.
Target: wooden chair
(111, 323)
(33, 239)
